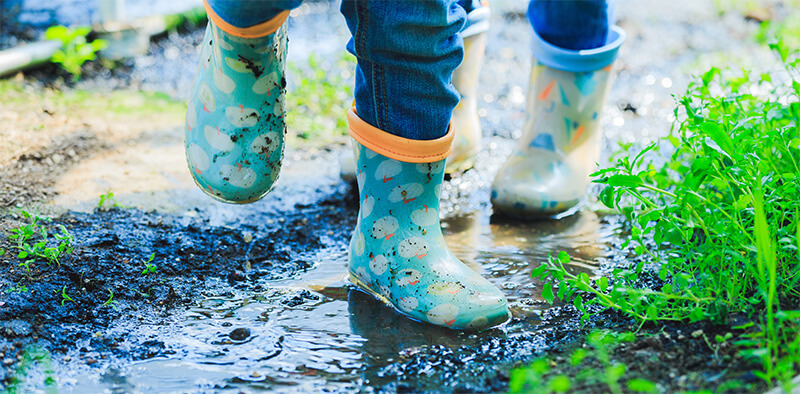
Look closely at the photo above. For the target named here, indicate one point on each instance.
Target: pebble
(8, 361)
(697, 333)
(239, 334)
(91, 360)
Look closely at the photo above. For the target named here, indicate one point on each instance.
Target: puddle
(314, 332)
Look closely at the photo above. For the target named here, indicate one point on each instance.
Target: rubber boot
(234, 132)
(397, 252)
(467, 142)
(548, 172)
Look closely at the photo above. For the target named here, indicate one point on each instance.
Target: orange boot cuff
(260, 30)
(399, 148)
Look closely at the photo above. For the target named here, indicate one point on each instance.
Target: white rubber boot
(548, 172)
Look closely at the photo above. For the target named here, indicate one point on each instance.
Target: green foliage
(33, 358)
(319, 101)
(149, 268)
(596, 368)
(17, 288)
(718, 220)
(111, 301)
(75, 50)
(64, 296)
(32, 241)
(107, 201)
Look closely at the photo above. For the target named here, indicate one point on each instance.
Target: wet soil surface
(256, 297)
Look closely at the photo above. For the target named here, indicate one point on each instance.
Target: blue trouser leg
(469, 5)
(406, 51)
(246, 13)
(571, 24)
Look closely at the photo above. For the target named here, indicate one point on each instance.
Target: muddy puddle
(329, 336)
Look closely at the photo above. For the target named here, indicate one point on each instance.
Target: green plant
(32, 242)
(64, 296)
(592, 366)
(17, 288)
(111, 301)
(33, 357)
(107, 197)
(75, 50)
(148, 267)
(320, 99)
(717, 220)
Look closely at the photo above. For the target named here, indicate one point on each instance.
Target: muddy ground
(251, 298)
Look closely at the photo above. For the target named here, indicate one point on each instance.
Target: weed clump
(717, 220)
(33, 242)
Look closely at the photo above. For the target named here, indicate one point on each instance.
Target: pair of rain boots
(234, 146)
(548, 172)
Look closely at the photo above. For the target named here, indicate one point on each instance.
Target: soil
(254, 298)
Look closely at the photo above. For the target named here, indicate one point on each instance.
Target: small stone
(697, 333)
(91, 360)
(247, 237)
(67, 359)
(8, 361)
(255, 375)
(239, 334)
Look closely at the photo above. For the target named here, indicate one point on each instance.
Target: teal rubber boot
(234, 132)
(397, 252)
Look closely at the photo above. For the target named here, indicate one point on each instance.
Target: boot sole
(371, 292)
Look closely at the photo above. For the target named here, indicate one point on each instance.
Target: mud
(256, 298)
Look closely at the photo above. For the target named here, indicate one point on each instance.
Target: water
(315, 332)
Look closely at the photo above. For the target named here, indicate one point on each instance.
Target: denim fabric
(571, 24)
(246, 13)
(470, 5)
(406, 51)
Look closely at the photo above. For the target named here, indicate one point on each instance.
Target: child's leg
(570, 24)
(235, 119)
(466, 123)
(407, 51)
(246, 13)
(549, 171)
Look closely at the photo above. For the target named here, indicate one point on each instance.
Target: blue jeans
(407, 51)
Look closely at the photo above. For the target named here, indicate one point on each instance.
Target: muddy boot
(548, 172)
(397, 252)
(467, 125)
(235, 119)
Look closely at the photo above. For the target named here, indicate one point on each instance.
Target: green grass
(19, 95)
(714, 213)
(34, 359)
(318, 102)
(592, 367)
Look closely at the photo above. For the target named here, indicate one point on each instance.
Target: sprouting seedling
(111, 301)
(148, 267)
(32, 242)
(107, 197)
(17, 288)
(64, 296)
